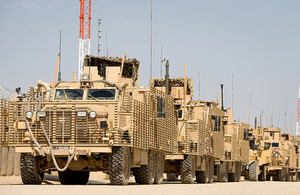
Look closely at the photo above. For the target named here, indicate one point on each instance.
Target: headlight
(29, 114)
(41, 114)
(81, 113)
(93, 114)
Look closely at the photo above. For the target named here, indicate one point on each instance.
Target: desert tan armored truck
(200, 133)
(236, 149)
(104, 122)
(272, 155)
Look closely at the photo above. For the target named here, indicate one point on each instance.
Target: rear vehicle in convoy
(104, 122)
(272, 155)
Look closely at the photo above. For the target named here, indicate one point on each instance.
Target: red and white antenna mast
(298, 113)
(84, 33)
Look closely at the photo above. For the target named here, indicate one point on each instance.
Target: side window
(161, 107)
(179, 113)
(267, 146)
(217, 120)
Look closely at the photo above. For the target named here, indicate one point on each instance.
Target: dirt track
(98, 185)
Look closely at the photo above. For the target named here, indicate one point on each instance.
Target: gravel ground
(98, 184)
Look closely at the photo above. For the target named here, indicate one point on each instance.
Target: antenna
(271, 118)
(298, 113)
(278, 117)
(106, 35)
(225, 97)
(151, 39)
(284, 121)
(249, 108)
(232, 95)
(99, 35)
(59, 73)
(199, 83)
(161, 60)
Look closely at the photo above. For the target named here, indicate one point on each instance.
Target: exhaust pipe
(47, 86)
(222, 106)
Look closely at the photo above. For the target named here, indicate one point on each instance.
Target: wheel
(159, 168)
(282, 174)
(238, 170)
(119, 165)
(288, 174)
(69, 177)
(172, 177)
(211, 170)
(222, 174)
(30, 172)
(295, 176)
(232, 177)
(146, 173)
(201, 177)
(187, 169)
(262, 174)
(253, 171)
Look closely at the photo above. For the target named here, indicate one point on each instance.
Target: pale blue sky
(257, 41)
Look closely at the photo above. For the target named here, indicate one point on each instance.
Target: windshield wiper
(65, 94)
(93, 97)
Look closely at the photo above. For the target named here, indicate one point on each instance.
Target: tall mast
(84, 33)
(298, 113)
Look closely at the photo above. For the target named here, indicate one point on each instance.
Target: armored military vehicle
(200, 133)
(104, 122)
(272, 155)
(236, 149)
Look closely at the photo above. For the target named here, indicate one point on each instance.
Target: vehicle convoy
(272, 155)
(104, 122)
(209, 141)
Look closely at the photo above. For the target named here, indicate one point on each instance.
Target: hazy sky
(256, 41)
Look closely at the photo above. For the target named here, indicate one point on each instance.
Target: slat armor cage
(65, 128)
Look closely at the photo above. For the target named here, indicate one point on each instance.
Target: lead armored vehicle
(104, 122)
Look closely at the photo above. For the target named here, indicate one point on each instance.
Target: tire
(211, 170)
(282, 174)
(253, 171)
(119, 165)
(73, 177)
(231, 177)
(295, 177)
(187, 169)
(238, 171)
(146, 173)
(262, 174)
(201, 177)
(288, 174)
(222, 174)
(29, 170)
(172, 177)
(159, 168)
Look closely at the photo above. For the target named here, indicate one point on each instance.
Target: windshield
(101, 94)
(70, 94)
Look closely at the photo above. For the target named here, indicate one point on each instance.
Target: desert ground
(98, 184)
